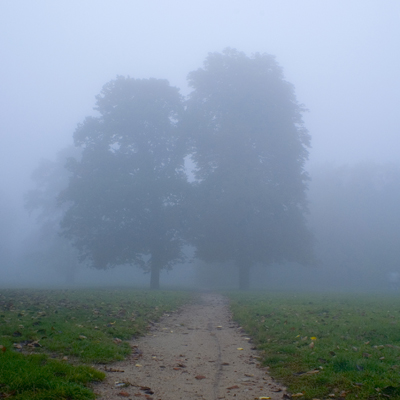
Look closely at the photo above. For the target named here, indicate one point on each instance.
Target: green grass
(46, 336)
(326, 346)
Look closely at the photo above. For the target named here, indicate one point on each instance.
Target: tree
(354, 214)
(125, 191)
(48, 248)
(249, 147)
(7, 226)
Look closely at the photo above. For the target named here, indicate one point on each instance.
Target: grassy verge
(41, 330)
(326, 346)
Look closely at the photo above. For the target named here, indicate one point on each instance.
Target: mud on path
(195, 353)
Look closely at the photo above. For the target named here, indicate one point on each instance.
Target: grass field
(326, 346)
(48, 338)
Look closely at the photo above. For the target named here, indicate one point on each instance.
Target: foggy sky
(342, 56)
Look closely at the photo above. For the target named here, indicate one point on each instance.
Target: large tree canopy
(249, 146)
(126, 189)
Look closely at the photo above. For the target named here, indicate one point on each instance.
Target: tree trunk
(70, 276)
(155, 278)
(244, 276)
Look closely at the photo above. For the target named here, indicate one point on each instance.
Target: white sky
(342, 56)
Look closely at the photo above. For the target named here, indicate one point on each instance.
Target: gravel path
(195, 353)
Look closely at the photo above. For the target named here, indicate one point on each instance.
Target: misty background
(342, 58)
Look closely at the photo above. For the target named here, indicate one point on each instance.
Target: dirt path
(195, 353)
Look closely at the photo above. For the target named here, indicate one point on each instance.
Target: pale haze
(343, 57)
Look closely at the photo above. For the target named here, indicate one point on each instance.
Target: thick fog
(342, 58)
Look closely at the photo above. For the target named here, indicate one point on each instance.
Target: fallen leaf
(313, 338)
(124, 394)
(177, 368)
(138, 365)
(7, 395)
(82, 337)
(311, 345)
(113, 369)
(240, 348)
(122, 384)
(233, 387)
(263, 398)
(297, 394)
(366, 355)
(200, 377)
(34, 344)
(3, 348)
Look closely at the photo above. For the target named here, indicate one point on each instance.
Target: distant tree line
(129, 200)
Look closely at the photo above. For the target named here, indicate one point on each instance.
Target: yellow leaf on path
(297, 394)
(264, 398)
(240, 348)
(138, 365)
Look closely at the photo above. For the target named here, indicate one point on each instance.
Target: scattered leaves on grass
(347, 334)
